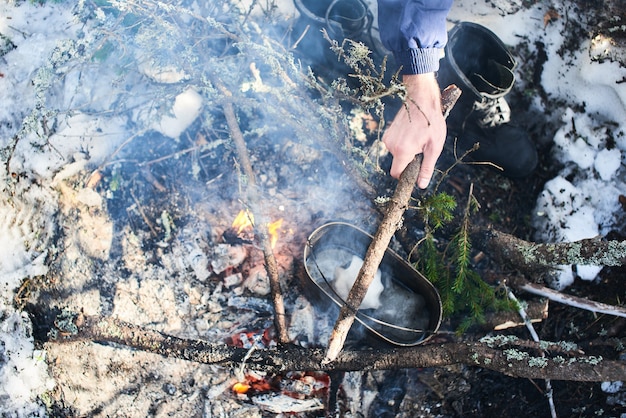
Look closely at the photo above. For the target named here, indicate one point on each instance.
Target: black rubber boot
(479, 63)
(506, 146)
(342, 19)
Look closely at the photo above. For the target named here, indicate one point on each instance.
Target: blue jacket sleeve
(415, 32)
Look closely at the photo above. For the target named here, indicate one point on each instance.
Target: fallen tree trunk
(500, 354)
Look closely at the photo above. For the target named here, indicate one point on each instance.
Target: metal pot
(406, 312)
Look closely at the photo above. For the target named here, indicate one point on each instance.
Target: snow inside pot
(401, 306)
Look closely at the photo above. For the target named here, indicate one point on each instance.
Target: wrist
(422, 86)
(423, 93)
(424, 79)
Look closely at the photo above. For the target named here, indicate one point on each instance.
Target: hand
(421, 129)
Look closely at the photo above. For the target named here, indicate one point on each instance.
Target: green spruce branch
(462, 289)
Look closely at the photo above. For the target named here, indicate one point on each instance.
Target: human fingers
(399, 163)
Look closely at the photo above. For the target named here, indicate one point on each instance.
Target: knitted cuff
(419, 61)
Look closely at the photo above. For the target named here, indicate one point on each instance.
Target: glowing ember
(255, 383)
(272, 229)
(241, 387)
(243, 221)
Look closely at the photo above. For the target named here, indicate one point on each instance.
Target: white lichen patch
(540, 362)
(513, 354)
(494, 341)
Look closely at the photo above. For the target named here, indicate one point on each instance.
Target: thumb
(426, 171)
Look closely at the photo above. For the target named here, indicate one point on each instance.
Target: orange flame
(272, 229)
(243, 220)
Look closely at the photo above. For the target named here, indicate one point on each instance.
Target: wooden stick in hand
(375, 252)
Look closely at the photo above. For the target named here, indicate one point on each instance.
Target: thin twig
(143, 214)
(533, 334)
(375, 252)
(300, 38)
(147, 174)
(458, 160)
(240, 372)
(119, 148)
(570, 300)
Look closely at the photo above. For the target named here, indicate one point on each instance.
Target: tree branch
(499, 354)
(576, 302)
(261, 228)
(532, 257)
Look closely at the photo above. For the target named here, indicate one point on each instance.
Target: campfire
(238, 275)
(226, 180)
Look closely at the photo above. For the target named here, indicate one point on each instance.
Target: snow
(580, 202)
(186, 109)
(25, 372)
(611, 387)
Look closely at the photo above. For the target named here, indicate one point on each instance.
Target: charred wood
(271, 265)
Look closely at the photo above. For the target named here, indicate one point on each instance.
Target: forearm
(415, 31)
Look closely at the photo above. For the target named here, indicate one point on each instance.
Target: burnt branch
(389, 225)
(271, 265)
(506, 355)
